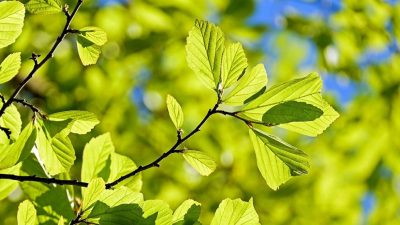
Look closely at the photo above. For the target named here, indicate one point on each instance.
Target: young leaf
(81, 121)
(92, 193)
(88, 51)
(187, 213)
(12, 15)
(234, 62)
(235, 212)
(95, 157)
(61, 221)
(10, 67)
(277, 160)
(248, 85)
(44, 6)
(202, 163)
(175, 112)
(20, 149)
(204, 49)
(122, 165)
(291, 111)
(26, 213)
(159, 208)
(94, 34)
(8, 186)
(307, 90)
(11, 120)
(57, 153)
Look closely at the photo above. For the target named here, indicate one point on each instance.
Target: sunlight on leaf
(10, 67)
(26, 213)
(201, 162)
(175, 112)
(235, 212)
(44, 6)
(12, 15)
(234, 62)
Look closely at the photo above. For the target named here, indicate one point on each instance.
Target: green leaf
(57, 153)
(187, 213)
(200, 162)
(152, 207)
(31, 166)
(235, 212)
(88, 51)
(10, 67)
(44, 6)
(94, 34)
(122, 165)
(20, 149)
(307, 90)
(291, 111)
(248, 85)
(8, 186)
(92, 193)
(81, 121)
(204, 49)
(11, 119)
(26, 213)
(95, 157)
(175, 112)
(12, 15)
(234, 62)
(277, 160)
(61, 221)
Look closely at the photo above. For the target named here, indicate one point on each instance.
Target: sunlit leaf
(95, 157)
(92, 193)
(235, 212)
(291, 111)
(20, 149)
(10, 67)
(306, 90)
(201, 162)
(44, 6)
(26, 213)
(277, 160)
(11, 119)
(234, 62)
(204, 49)
(88, 51)
(61, 221)
(159, 208)
(81, 121)
(175, 111)
(12, 15)
(122, 165)
(187, 213)
(94, 34)
(248, 85)
(7, 186)
(57, 153)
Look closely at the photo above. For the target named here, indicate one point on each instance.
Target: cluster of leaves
(44, 150)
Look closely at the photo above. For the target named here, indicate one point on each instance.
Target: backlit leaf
(92, 193)
(158, 207)
(234, 62)
(81, 121)
(44, 6)
(252, 82)
(291, 111)
(95, 157)
(204, 49)
(11, 119)
(175, 112)
(187, 213)
(277, 160)
(12, 15)
(122, 165)
(235, 212)
(8, 186)
(94, 34)
(26, 213)
(201, 162)
(10, 67)
(88, 51)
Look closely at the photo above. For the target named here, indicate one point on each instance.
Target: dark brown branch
(172, 150)
(155, 163)
(33, 108)
(38, 65)
(45, 180)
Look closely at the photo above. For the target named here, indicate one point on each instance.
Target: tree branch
(38, 65)
(33, 108)
(155, 163)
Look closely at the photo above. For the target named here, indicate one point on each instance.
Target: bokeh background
(353, 44)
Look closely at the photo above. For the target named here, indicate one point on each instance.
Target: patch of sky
(104, 3)
(138, 94)
(367, 203)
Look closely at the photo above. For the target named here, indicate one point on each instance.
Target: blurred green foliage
(355, 166)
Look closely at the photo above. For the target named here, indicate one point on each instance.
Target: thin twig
(246, 121)
(33, 108)
(38, 65)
